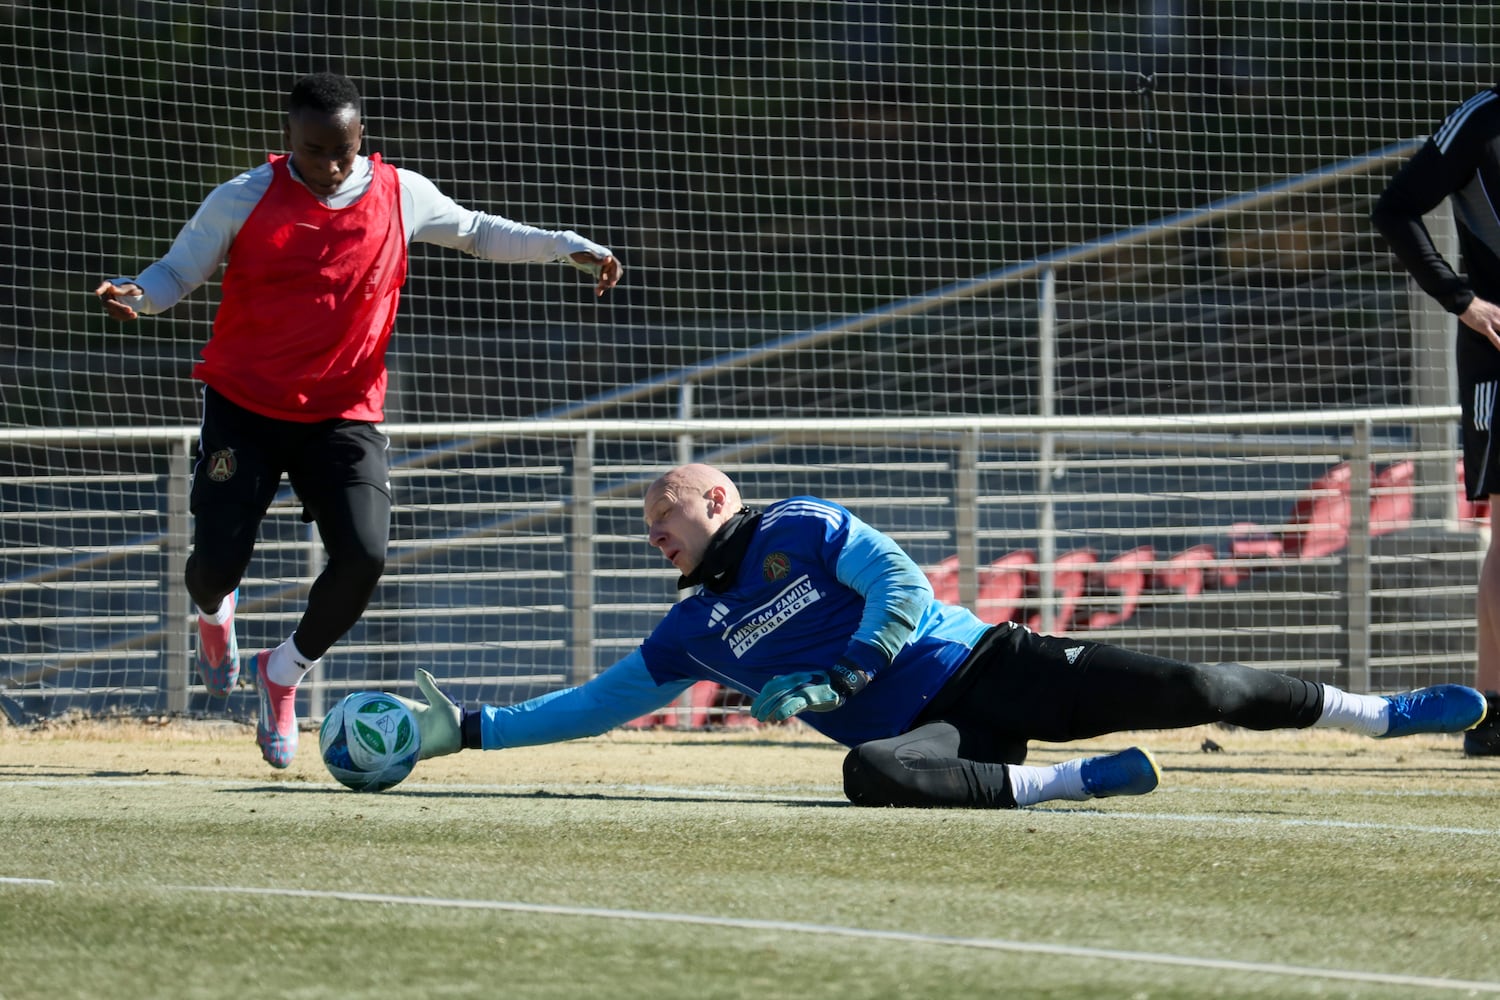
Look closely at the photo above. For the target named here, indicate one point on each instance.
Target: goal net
(1097, 288)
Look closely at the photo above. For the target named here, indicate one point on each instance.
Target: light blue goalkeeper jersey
(814, 584)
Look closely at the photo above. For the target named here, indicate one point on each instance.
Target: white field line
(1470, 986)
(868, 934)
(991, 944)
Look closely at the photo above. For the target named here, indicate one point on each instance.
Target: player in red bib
(294, 375)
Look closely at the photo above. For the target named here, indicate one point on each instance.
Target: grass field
(141, 860)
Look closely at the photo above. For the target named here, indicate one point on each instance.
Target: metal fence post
(966, 519)
(1046, 450)
(317, 689)
(177, 607)
(685, 414)
(1357, 565)
(581, 576)
(1434, 382)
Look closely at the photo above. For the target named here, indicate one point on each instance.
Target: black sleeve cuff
(847, 679)
(1458, 302)
(468, 727)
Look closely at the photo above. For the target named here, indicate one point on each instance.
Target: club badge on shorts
(221, 465)
(776, 566)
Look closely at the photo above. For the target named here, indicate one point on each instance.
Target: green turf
(1329, 878)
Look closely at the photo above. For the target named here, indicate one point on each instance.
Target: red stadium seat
(647, 722)
(692, 710)
(1186, 572)
(1125, 575)
(695, 712)
(1319, 524)
(1248, 543)
(1070, 578)
(1002, 587)
(1470, 510)
(736, 709)
(944, 580)
(1392, 500)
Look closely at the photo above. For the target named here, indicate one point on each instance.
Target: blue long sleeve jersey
(815, 584)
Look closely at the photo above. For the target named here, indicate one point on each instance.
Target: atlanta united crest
(221, 465)
(776, 566)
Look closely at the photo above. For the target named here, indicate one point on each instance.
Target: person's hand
(438, 722)
(1483, 317)
(109, 295)
(789, 694)
(606, 270)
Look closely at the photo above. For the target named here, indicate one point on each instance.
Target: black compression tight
(1030, 687)
(354, 524)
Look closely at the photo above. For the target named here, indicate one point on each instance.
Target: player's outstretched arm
(109, 294)
(440, 722)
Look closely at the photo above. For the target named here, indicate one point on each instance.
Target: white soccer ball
(369, 741)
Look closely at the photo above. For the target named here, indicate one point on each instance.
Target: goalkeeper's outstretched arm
(623, 692)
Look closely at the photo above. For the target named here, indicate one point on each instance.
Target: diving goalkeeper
(817, 615)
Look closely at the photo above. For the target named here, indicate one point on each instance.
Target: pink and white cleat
(218, 653)
(276, 726)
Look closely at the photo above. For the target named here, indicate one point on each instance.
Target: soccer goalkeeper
(818, 615)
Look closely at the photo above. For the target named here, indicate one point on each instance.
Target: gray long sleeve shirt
(428, 215)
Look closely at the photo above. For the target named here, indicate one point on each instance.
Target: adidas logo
(1072, 653)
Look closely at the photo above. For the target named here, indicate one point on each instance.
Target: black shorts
(242, 455)
(1015, 686)
(1478, 380)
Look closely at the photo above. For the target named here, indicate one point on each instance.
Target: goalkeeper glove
(818, 691)
(439, 723)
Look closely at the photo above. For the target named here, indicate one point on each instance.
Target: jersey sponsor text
(771, 616)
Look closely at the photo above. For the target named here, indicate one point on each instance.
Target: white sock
(222, 615)
(1358, 713)
(288, 666)
(1031, 785)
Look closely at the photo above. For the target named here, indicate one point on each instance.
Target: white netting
(827, 210)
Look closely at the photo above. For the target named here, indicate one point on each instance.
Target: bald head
(685, 508)
(697, 479)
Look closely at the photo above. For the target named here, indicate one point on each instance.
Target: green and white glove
(814, 691)
(439, 722)
(789, 694)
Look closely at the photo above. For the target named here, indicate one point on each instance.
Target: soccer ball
(369, 741)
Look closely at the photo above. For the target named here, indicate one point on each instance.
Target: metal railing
(519, 565)
(516, 564)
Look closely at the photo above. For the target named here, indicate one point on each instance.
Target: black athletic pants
(1019, 686)
(339, 470)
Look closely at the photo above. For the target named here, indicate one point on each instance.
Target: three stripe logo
(1484, 405)
(1446, 133)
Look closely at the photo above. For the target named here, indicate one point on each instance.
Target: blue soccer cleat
(1129, 772)
(1444, 708)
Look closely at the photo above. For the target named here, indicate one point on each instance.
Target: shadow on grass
(1365, 771)
(32, 772)
(442, 794)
